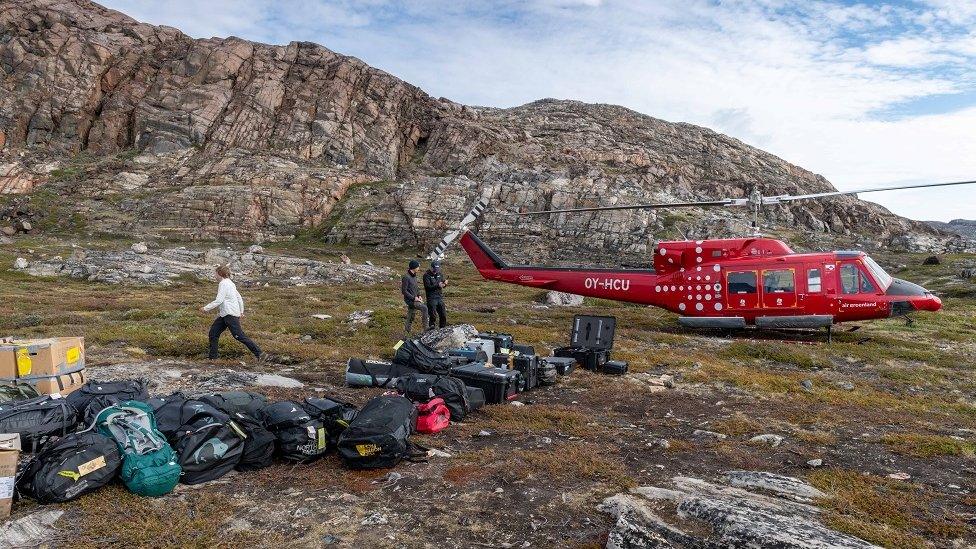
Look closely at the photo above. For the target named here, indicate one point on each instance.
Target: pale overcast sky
(863, 93)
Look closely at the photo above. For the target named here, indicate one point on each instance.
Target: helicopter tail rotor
(476, 211)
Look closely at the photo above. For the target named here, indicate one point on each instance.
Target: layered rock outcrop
(142, 129)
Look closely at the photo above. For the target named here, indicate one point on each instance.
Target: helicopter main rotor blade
(789, 198)
(701, 204)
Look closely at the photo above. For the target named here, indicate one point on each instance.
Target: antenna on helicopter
(755, 201)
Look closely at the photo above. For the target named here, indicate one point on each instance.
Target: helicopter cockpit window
(742, 282)
(848, 278)
(878, 272)
(867, 287)
(779, 281)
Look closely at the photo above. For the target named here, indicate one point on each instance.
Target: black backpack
(414, 354)
(300, 438)
(207, 443)
(95, 396)
(36, 418)
(335, 415)
(259, 444)
(378, 437)
(233, 402)
(70, 467)
(423, 387)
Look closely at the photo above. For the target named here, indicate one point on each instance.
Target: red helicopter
(726, 283)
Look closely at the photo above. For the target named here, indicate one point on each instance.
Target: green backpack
(149, 466)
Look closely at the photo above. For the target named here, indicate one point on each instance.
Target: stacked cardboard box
(52, 365)
(9, 453)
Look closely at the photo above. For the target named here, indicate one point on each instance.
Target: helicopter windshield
(878, 272)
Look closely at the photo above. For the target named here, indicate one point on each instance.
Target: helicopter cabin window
(867, 287)
(779, 281)
(742, 282)
(813, 280)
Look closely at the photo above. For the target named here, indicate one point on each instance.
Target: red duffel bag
(433, 416)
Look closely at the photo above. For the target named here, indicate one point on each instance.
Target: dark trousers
(412, 308)
(233, 324)
(436, 312)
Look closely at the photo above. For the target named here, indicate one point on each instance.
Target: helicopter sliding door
(742, 290)
(779, 288)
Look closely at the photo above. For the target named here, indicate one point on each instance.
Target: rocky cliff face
(130, 128)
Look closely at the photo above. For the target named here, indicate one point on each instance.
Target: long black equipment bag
(233, 402)
(378, 437)
(498, 384)
(412, 353)
(424, 387)
(301, 438)
(335, 415)
(95, 396)
(36, 418)
(70, 467)
(372, 373)
(207, 442)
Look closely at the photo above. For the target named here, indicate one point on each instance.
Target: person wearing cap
(411, 297)
(434, 283)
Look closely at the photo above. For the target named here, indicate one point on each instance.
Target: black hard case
(499, 384)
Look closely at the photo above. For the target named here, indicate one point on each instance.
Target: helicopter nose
(929, 303)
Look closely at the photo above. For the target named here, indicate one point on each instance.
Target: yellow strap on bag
(398, 345)
(321, 438)
(24, 364)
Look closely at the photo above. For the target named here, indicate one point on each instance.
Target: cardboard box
(52, 365)
(9, 454)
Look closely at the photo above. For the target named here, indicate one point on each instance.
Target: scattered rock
(517, 403)
(20, 263)
(255, 249)
(900, 476)
(275, 380)
(329, 539)
(306, 338)
(345, 259)
(807, 385)
(321, 316)
(484, 433)
(668, 380)
(360, 317)
(770, 439)
(374, 520)
(709, 434)
(736, 517)
(29, 531)
(8, 230)
(140, 248)
(932, 260)
(434, 452)
(563, 299)
(845, 385)
(661, 443)
(814, 463)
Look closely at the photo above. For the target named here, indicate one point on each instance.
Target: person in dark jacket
(411, 297)
(434, 283)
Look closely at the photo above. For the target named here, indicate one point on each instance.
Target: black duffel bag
(233, 402)
(36, 418)
(423, 387)
(95, 396)
(207, 443)
(378, 437)
(259, 444)
(70, 467)
(335, 415)
(414, 354)
(300, 437)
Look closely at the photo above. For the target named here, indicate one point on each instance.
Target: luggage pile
(115, 431)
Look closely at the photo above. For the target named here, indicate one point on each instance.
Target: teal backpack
(149, 465)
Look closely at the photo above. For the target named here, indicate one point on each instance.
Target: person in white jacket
(231, 309)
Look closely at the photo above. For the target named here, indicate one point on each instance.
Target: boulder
(563, 299)
(8, 230)
(20, 263)
(140, 248)
(932, 260)
(451, 337)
